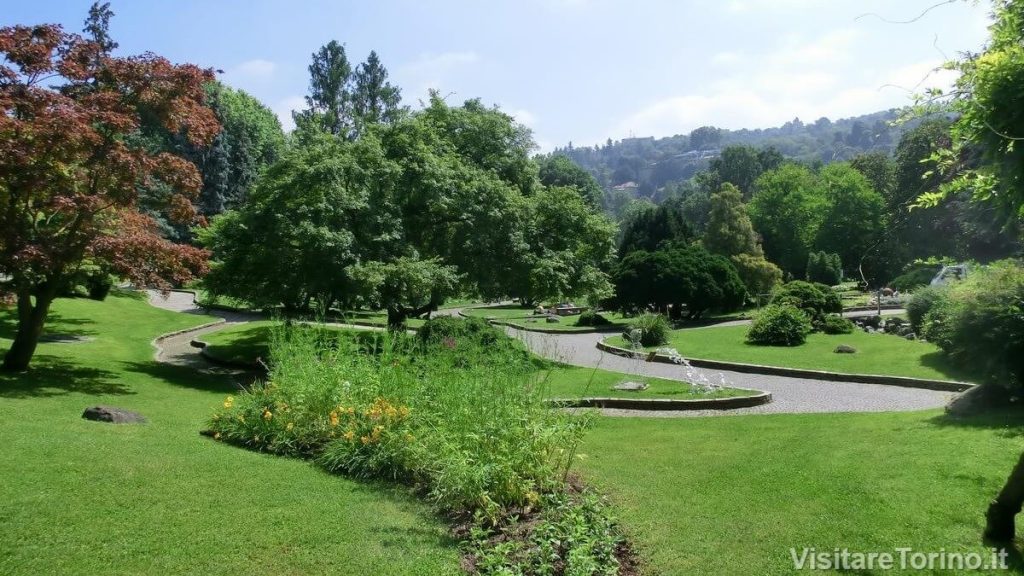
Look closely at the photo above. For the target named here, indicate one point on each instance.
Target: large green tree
(786, 211)
(730, 233)
(853, 219)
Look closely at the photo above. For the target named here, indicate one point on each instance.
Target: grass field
(732, 495)
(726, 495)
(876, 353)
(80, 497)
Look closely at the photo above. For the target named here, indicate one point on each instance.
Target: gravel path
(790, 395)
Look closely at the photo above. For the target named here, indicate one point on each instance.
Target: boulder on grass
(553, 319)
(113, 415)
(845, 349)
(978, 400)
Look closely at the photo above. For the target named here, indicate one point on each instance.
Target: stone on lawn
(911, 336)
(113, 415)
(845, 349)
(553, 320)
(630, 386)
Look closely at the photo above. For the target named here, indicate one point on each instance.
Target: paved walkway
(790, 395)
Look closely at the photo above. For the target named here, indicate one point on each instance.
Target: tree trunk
(1000, 525)
(30, 327)
(396, 318)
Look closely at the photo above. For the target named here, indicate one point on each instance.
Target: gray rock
(911, 336)
(978, 400)
(553, 320)
(113, 415)
(845, 349)
(630, 386)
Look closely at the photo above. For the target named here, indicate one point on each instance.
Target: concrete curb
(155, 342)
(873, 308)
(906, 382)
(666, 403)
(251, 366)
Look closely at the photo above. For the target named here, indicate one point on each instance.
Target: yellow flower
(334, 418)
(229, 401)
(350, 435)
(290, 426)
(216, 436)
(351, 410)
(267, 414)
(409, 437)
(364, 439)
(532, 497)
(241, 417)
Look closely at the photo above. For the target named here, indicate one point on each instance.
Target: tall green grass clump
(456, 411)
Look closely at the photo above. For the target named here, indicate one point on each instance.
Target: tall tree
(853, 221)
(729, 231)
(374, 99)
(69, 175)
(330, 98)
(786, 212)
(97, 27)
(559, 170)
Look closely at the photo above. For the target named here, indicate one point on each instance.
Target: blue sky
(579, 70)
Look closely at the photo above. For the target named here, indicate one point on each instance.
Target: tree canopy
(70, 173)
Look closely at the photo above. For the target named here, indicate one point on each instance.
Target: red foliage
(68, 174)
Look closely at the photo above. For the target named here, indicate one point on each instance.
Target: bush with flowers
(458, 414)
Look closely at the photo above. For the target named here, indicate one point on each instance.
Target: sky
(572, 70)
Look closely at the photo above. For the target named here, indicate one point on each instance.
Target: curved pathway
(790, 395)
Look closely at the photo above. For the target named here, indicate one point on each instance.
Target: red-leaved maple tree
(70, 175)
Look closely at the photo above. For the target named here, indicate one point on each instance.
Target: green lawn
(876, 353)
(501, 312)
(80, 497)
(733, 495)
(576, 382)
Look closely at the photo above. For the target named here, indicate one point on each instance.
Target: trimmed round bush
(592, 318)
(836, 325)
(815, 299)
(99, 286)
(653, 328)
(441, 328)
(779, 325)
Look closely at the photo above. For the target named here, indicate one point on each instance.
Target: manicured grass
(371, 317)
(577, 382)
(732, 495)
(501, 312)
(876, 353)
(80, 497)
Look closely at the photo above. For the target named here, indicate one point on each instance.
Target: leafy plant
(979, 322)
(921, 303)
(592, 318)
(779, 325)
(649, 329)
(816, 300)
(836, 325)
(824, 268)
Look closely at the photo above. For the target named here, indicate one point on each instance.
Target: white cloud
(284, 109)
(726, 58)
(524, 117)
(429, 71)
(252, 70)
(799, 78)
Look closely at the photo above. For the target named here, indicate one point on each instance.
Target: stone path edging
(904, 381)
(758, 398)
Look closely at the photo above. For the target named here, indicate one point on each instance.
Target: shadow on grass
(214, 380)
(1009, 421)
(51, 376)
(939, 362)
(56, 323)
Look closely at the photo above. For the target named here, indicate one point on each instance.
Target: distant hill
(643, 165)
